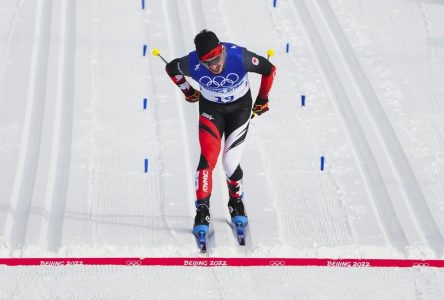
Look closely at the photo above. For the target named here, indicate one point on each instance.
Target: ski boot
(238, 217)
(201, 225)
(237, 211)
(235, 204)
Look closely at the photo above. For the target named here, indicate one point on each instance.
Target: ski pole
(156, 52)
(270, 53)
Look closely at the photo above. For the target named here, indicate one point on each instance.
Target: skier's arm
(176, 69)
(259, 64)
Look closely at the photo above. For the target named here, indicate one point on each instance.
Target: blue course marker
(145, 103)
(146, 165)
(143, 4)
(322, 163)
(303, 100)
(288, 47)
(274, 3)
(145, 47)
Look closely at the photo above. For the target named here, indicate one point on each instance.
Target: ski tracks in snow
(41, 178)
(400, 205)
(173, 129)
(36, 208)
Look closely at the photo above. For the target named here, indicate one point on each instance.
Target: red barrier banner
(224, 262)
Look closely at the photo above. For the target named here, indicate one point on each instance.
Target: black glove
(260, 107)
(193, 96)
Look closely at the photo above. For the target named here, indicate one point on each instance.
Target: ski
(202, 240)
(240, 234)
(201, 234)
(239, 224)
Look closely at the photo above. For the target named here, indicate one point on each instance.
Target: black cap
(205, 41)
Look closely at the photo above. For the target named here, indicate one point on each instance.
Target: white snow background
(74, 136)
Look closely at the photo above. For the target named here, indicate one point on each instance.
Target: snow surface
(74, 136)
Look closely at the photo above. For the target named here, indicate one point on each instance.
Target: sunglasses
(215, 60)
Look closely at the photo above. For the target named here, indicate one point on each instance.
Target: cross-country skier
(225, 108)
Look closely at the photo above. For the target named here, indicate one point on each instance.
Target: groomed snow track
(40, 182)
(401, 207)
(73, 181)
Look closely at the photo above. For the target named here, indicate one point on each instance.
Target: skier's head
(210, 51)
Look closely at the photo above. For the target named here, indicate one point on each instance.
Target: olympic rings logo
(277, 263)
(219, 81)
(420, 264)
(133, 262)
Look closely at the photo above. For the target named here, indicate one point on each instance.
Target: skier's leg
(231, 158)
(235, 191)
(237, 124)
(211, 127)
(234, 183)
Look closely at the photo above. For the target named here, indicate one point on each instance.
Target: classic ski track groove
(62, 135)
(187, 111)
(21, 197)
(386, 213)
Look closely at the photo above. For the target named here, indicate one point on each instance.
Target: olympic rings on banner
(277, 263)
(133, 262)
(421, 265)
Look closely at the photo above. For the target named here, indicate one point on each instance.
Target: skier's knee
(238, 174)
